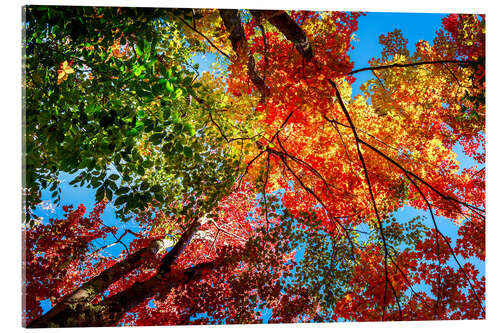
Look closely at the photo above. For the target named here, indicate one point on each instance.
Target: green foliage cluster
(123, 124)
(328, 264)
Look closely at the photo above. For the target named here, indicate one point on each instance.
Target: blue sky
(415, 27)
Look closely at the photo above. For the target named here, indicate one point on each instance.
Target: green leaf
(101, 189)
(95, 183)
(92, 108)
(178, 128)
(156, 188)
(117, 160)
(139, 47)
(121, 200)
(188, 152)
(132, 201)
(132, 132)
(174, 116)
(109, 194)
(189, 129)
(166, 113)
(138, 70)
(178, 93)
(144, 186)
(163, 70)
(156, 138)
(74, 181)
(170, 87)
(147, 164)
(122, 190)
(99, 196)
(139, 126)
(114, 177)
(140, 170)
(179, 148)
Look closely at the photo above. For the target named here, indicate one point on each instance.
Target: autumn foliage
(263, 190)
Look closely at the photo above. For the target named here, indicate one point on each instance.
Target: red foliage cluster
(468, 35)
(57, 255)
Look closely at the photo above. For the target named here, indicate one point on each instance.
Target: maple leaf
(64, 70)
(115, 50)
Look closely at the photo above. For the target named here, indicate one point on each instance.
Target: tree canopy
(262, 187)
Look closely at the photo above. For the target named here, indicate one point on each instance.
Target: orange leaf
(64, 70)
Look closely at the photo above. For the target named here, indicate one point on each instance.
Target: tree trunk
(112, 309)
(232, 22)
(288, 27)
(76, 310)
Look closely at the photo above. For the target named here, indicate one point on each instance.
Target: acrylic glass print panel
(204, 166)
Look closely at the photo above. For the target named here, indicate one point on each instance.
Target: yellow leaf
(63, 72)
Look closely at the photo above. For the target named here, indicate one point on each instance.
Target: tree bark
(89, 290)
(76, 310)
(112, 309)
(288, 27)
(232, 22)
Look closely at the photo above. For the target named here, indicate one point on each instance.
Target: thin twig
(353, 128)
(476, 210)
(228, 232)
(452, 61)
(205, 37)
(447, 243)
(318, 199)
(248, 167)
(265, 195)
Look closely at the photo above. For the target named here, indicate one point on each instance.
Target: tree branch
(419, 63)
(175, 252)
(80, 299)
(372, 197)
(112, 309)
(288, 27)
(476, 210)
(89, 290)
(447, 243)
(205, 37)
(335, 220)
(232, 22)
